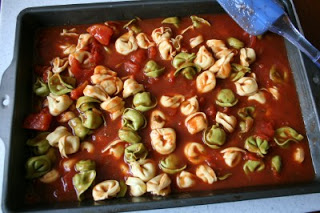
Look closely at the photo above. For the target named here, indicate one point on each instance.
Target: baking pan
(16, 93)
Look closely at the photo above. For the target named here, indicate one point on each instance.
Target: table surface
(308, 11)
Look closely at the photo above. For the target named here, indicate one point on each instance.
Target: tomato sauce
(273, 114)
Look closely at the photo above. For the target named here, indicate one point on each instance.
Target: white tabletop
(299, 203)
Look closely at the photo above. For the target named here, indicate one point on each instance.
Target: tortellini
(131, 87)
(185, 180)
(82, 181)
(135, 152)
(101, 73)
(285, 134)
(95, 92)
(112, 85)
(172, 101)
(83, 41)
(70, 32)
(144, 101)
(228, 122)
(54, 137)
(214, 137)
(206, 82)
(189, 106)
(160, 34)
(257, 145)
(195, 152)
(126, 43)
(157, 119)
(78, 128)
(39, 144)
(247, 56)
(259, 97)
(276, 163)
(115, 106)
(115, 148)
(68, 145)
(143, 169)
(196, 122)
(196, 41)
(299, 155)
(87, 146)
(59, 64)
(137, 186)
(133, 119)
(226, 98)
(206, 174)
(50, 177)
(58, 104)
(105, 190)
(166, 50)
(172, 164)
(163, 140)
(216, 46)
(143, 41)
(253, 166)
(82, 56)
(204, 58)
(222, 67)
(68, 48)
(129, 135)
(232, 156)
(159, 185)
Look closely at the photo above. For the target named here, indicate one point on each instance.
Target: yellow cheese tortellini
(204, 58)
(82, 56)
(126, 43)
(106, 189)
(222, 67)
(166, 50)
(131, 87)
(68, 144)
(137, 186)
(115, 148)
(101, 73)
(54, 137)
(232, 155)
(259, 97)
(246, 86)
(195, 152)
(59, 64)
(58, 104)
(143, 41)
(247, 56)
(50, 177)
(185, 180)
(83, 41)
(115, 106)
(228, 122)
(189, 106)
(95, 92)
(159, 185)
(157, 119)
(196, 122)
(218, 47)
(160, 34)
(196, 41)
(68, 48)
(206, 82)
(112, 85)
(163, 140)
(206, 174)
(172, 101)
(143, 169)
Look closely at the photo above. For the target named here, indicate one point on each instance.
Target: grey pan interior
(17, 81)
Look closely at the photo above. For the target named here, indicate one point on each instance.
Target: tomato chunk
(38, 121)
(131, 67)
(138, 56)
(152, 52)
(78, 92)
(101, 32)
(265, 129)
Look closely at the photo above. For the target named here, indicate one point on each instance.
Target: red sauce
(274, 114)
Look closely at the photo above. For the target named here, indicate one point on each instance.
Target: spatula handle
(284, 27)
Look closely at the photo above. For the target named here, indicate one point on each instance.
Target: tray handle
(6, 102)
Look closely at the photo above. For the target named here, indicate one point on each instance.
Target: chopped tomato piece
(78, 92)
(131, 67)
(211, 111)
(152, 52)
(138, 56)
(265, 129)
(96, 53)
(38, 121)
(101, 32)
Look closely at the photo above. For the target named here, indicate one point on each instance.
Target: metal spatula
(258, 16)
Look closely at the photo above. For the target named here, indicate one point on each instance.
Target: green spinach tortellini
(38, 166)
(58, 86)
(133, 119)
(286, 134)
(39, 144)
(214, 137)
(276, 163)
(135, 152)
(40, 88)
(129, 135)
(253, 166)
(171, 164)
(144, 101)
(91, 119)
(257, 145)
(85, 165)
(183, 62)
(82, 181)
(78, 128)
(226, 98)
(153, 70)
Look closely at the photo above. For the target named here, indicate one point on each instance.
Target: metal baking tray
(16, 92)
